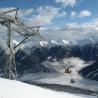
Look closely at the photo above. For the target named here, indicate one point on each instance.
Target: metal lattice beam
(21, 28)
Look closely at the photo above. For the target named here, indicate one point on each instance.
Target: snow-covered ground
(62, 78)
(16, 89)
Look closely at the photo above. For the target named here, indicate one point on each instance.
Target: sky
(58, 18)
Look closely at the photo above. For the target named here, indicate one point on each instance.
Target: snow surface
(16, 89)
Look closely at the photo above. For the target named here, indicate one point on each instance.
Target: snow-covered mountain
(30, 58)
(48, 43)
(33, 54)
(62, 42)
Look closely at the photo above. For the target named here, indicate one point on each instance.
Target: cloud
(72, 31)
(39, 16)
(45, 15)
(76, 63)
(73, 14)
(85, 13)
(61, 14)
(26, 12)
(81, 14)
(66, 3)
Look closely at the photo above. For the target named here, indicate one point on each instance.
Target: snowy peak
(57, 42)
(65, 41)
(43, 43)
(60, 42)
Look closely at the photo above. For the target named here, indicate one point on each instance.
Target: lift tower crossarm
(25, 29)
(16, 9)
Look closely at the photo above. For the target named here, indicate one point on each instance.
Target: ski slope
(16, 89)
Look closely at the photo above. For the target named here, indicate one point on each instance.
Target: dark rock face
(32, 62)
(90, 52)
(90, 72)
(87, 52)
(76, 51)
(60, 52)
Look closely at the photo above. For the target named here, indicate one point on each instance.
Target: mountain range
(30, 58)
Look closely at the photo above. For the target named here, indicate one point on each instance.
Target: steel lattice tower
(24, 30)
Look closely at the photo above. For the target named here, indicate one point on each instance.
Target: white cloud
(67, 2)
(73, 14)
(76, 63)
(45, 15)
(62, 14)
(39, 16)
(72, 31)
(81, 14)
(26, 12)
(85, 13)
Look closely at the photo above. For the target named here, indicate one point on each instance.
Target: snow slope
(16, 89)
